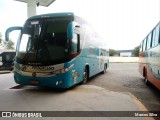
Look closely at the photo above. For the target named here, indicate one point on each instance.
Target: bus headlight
(64, 70)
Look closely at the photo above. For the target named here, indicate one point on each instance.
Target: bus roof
(64, 14)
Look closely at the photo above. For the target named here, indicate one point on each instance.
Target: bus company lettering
(43, 68)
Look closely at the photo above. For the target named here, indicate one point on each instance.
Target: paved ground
(109, 92)
(80, 98)
(124, 77)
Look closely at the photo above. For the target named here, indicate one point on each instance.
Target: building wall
(125, 54)
(124, 59)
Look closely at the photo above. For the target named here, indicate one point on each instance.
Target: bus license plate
(34, 82)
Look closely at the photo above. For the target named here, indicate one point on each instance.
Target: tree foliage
(112, 52)
(136, 51)
(9, 44)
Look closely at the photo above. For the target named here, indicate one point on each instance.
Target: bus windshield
(43, 42)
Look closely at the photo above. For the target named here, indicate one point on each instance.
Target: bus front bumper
(58, 81)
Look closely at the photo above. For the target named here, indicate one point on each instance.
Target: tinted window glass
(149, 41)
(144, 45)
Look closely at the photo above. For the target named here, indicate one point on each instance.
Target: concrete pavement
(79, 98)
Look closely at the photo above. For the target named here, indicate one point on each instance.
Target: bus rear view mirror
(77, 29)
(10, 30)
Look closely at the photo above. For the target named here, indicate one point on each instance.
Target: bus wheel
(147, 82)
(145, 77)
(85, 76)
(104, 70)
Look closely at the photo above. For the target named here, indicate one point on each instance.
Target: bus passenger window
(155, 36)
(144, 45)
(9, 57)
(141, 47)
(149, 41)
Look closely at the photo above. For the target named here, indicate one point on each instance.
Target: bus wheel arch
(106, 66)
(144, 72)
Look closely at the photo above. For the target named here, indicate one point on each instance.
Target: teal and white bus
(58, 50)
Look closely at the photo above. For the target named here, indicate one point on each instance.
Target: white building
(125, 53)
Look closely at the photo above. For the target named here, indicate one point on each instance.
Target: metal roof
(45, 3)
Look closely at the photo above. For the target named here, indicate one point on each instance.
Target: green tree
(112, 52)
(136, 51)
(9, 45)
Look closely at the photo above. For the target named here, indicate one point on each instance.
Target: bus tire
(104, 70)
(145, 77)
(85, 76)
(146, 82)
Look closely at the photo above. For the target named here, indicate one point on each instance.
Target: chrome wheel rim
(85, 76)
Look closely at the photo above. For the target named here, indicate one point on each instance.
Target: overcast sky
(121, 23)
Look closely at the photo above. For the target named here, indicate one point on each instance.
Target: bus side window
(75, 45)
(141, 47)
(7, 57)
(149, 40)
(155, 36)
(144, 44)
(159, 33)
(154, 40)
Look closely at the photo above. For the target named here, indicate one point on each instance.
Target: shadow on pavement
(5, 71)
